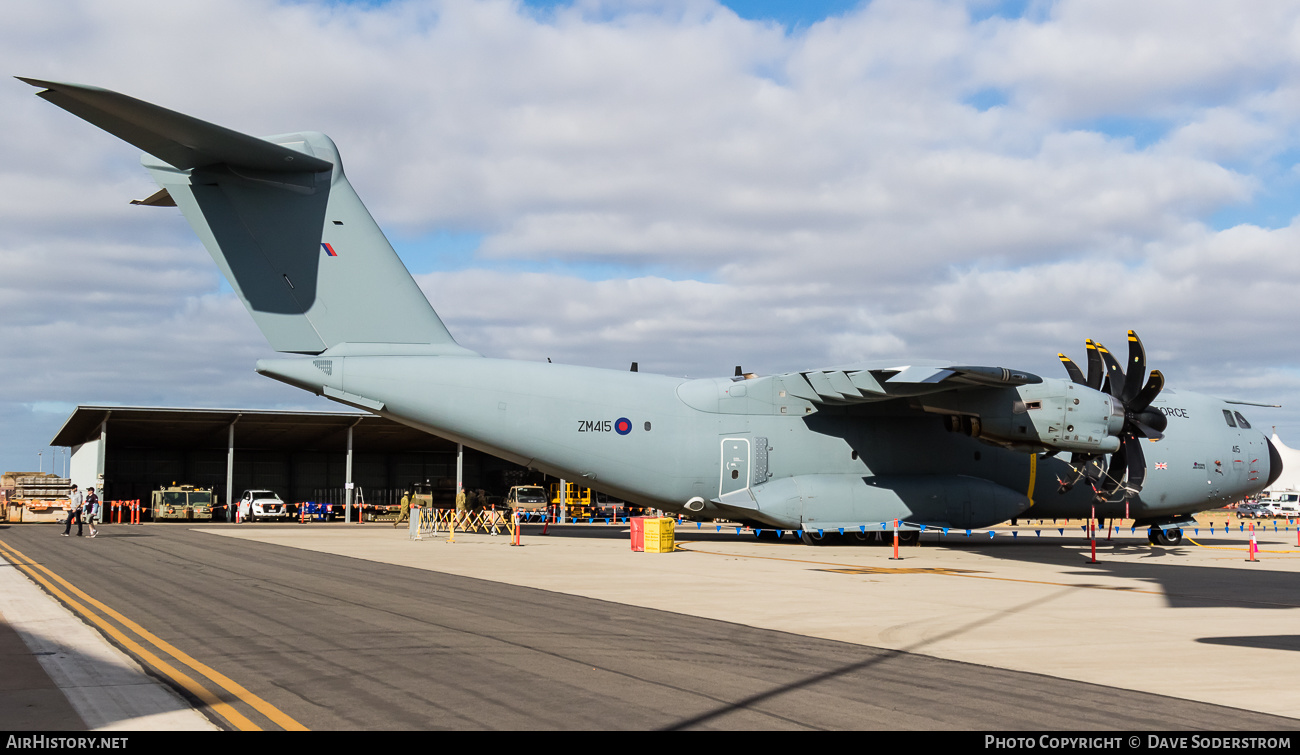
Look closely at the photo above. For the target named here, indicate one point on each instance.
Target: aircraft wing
(860, 384)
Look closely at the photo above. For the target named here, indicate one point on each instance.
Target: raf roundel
(623, 426)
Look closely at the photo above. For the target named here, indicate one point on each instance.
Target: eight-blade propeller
(1140, 421)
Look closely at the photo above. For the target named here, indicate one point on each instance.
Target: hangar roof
(140, 426)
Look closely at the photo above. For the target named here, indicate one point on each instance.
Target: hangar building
(128, 452)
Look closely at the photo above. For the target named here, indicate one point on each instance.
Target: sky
(687, 184)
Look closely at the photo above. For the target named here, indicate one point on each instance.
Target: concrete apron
(1060, 619)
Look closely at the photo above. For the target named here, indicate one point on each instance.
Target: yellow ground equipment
(579, 501)
(659, 535)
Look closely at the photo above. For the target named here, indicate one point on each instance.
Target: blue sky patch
(1143, 131)
(984, 99)
(983, 10)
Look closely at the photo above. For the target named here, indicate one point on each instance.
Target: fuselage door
(735, 465)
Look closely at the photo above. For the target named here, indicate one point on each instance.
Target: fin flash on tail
(282, 222)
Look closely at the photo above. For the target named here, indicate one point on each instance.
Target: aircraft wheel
(909, 537)
(810, 537)
(1153, 535)
(1172, 536)
(862, 538)
(765, 534)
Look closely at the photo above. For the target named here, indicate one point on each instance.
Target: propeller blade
(1137, 462)
(1095, 371)
(1114, 374)
(1143, 399)
(1075, 373)
(1137, 367)
(1147, 431)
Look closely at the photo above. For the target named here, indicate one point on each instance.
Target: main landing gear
(1171, 536)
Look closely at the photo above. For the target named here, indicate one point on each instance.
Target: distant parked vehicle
(182, 502)
(1252, 511)
(527, 498)
(262, 504)
(1282, 504)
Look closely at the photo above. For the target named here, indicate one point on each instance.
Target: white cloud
(809, 198)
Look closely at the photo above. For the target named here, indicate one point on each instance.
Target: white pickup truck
(261, 504)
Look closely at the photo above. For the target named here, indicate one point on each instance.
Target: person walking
(75, 504)
(462, 507)
(90, 510)
(416, 509)
(405, 514)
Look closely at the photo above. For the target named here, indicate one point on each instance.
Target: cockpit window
(1228, 416)
(1241, 421)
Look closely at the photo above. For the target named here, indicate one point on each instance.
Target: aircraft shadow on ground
(1266, 642)
(1158, 568)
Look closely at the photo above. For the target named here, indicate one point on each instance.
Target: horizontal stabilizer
(159, 198)
(176, 139)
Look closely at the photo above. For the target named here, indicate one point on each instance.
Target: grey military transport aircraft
(830, 454)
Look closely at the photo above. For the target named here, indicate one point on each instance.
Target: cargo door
(735, 465)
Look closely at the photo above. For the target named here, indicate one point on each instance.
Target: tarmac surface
(357, 627)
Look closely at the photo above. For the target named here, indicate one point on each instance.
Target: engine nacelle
(1055, 415)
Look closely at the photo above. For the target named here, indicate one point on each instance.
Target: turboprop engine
(1053, 415)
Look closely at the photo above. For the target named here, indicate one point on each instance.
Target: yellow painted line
(1237, 548)
(198, 690)
(279, 717)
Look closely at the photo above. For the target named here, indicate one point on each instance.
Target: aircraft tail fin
(280, 219)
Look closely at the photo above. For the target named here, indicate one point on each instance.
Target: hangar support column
(347, 477)
(230, 469)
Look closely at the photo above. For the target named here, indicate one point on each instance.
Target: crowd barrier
(485, 521)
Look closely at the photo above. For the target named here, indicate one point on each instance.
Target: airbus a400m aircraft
(821, 452)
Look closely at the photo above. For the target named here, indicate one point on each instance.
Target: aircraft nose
(1274, 463)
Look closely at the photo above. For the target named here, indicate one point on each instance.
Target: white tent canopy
(1290, 479)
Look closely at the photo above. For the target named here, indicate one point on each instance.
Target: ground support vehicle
(579, 503)
(182, 503)
(377, 512)
(527, 498)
